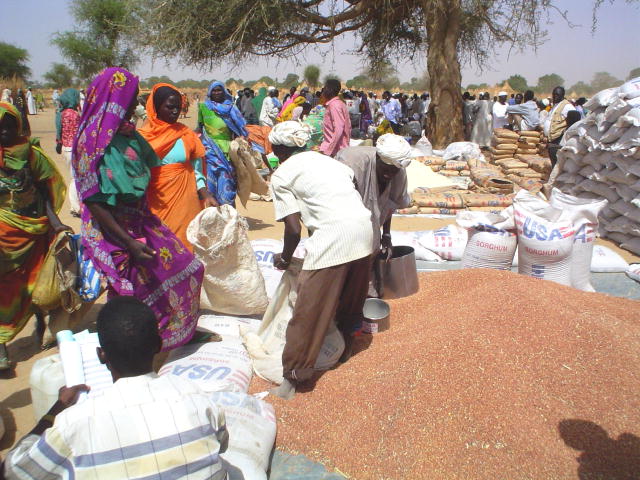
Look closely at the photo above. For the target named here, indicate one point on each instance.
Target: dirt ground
(15, 396)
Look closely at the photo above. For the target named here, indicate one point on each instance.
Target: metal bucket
(376, 315)
(399, 275)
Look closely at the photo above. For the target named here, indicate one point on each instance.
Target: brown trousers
(335, 292)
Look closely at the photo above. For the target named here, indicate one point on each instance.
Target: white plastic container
(46, 378)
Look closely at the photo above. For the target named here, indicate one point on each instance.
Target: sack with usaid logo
(492, 239)
(545, 239)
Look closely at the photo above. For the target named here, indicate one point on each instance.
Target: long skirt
(169, 283)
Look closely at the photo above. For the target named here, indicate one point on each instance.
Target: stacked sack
(554, 239)
(600, 160)
(450, 202)
(517, 155)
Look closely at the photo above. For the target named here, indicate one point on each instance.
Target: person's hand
(139, 251)
(385, 243)
(209, 201)
(61, 227)
(68, 396)
(279, 263)
(58, 148)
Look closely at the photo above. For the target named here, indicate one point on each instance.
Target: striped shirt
(142, 427)
(322, 191)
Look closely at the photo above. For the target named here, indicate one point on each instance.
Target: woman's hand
(207, 198)
(139, 251)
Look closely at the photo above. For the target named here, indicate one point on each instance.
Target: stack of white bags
(601, 160)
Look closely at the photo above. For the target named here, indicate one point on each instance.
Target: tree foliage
(59, 76)
(450, 31)
(602, 80)
(581, 88)
(13, 61)
(311, 75)
(547, 83)
(266, 79)
(291, 80)
(634, 73)
(98, 40)
(517, 83)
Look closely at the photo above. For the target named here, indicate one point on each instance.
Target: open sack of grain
(600, 159)
(555, 239)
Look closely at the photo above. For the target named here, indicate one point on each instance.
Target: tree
(479, 86)
(266, 79)
(634, 73)
(547, 83)
(311, 75)
(451, 32)
(581, 88)
(13, 61)
(98, 40)
(518, 83)
(602, 80)
(151, 81)
(359, 81)
(291, 80)
(59, 76)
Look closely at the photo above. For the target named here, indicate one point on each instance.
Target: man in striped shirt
(144, 426)
(319, 192)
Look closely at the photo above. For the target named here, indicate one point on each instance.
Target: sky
(573, 53)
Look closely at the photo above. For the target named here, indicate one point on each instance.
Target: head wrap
(502, 94)
(271, 89)
(108, 99)
(16, 156)
(290, 134)
(227, 110)
(70, 98)
(394, 150)
(161, 135)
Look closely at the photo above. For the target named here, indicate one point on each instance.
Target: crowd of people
(342, 156)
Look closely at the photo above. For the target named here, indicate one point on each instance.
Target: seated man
(144, 426)
(524, 116)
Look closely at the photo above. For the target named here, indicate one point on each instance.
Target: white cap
(503, 94)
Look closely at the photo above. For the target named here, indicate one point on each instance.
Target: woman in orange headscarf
(177, 190)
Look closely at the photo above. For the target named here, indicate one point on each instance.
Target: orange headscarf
(162, 135)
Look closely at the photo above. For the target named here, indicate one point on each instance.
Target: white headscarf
(271, 89)
(394, 150)
(290, 134)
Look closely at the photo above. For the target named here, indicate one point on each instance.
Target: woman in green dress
(220, 122)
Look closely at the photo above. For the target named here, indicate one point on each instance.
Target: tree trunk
(444, 119)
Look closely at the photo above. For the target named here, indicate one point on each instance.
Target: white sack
(410, 239)
(266, 346)
(632, 272)
(251, 424)
(462, 151)
(606, 260)
(492, 239)
(232, 281)
(583, 213)
(630, 89)
(545, 239)
(215, 366)
(447, 242)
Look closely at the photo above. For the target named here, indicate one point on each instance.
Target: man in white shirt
(500, 111)
(144, 426)
(319, 192)
(525, 115)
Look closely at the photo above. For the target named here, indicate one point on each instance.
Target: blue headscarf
(227, 110)
(70, 98)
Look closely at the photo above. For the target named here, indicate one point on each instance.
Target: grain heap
(601, 160)
(460, 388)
